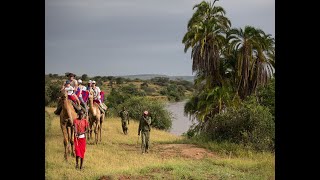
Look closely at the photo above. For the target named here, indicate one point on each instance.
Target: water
(180, 123)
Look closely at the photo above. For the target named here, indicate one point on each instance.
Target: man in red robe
(80, 128)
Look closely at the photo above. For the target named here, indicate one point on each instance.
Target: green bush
(161, 81)
(251, 125)
(173, 92)
(266, 96)
(115, 98)
(48, 119)
(131, 90)
(52, 91)
(148, 90)
(160, 117)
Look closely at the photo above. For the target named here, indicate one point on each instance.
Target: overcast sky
(125, 37)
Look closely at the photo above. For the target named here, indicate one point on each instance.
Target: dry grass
(118, 156)
(108, 157)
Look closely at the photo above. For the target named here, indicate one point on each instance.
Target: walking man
(144, 128)
(124, 118)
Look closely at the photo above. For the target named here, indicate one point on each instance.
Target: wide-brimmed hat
(70, 74)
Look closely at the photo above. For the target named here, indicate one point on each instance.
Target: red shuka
(80, 143)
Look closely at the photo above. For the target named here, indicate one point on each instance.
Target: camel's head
(91, 92)
(63, 94)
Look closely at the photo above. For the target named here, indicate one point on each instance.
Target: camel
(67, 115)
(95, 118)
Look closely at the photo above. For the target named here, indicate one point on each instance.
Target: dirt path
(189, 151)
(166, 151)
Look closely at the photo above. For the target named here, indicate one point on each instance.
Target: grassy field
(118, 157)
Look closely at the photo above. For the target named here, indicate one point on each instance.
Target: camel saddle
(76, 107)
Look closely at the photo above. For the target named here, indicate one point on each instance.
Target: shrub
(266, 96)
(148, 90)
(52, 91)
(251, 125)
(160, 117)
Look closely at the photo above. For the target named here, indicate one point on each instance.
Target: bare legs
(77, 162)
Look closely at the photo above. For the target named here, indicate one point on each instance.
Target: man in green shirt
(124, 118)
(144, 128)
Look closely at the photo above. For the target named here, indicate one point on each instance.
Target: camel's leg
(90, 130)
(100, 129)
(65, 140)
(96, 131)
(88, 133)
(69, 137)
(72, 142)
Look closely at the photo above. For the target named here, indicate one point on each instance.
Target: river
(180, 123)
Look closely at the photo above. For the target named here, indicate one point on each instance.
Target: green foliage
(174, 92)
(131, 90)
(144, 84)
(149, 91)
(161, 81)
(110, 78)
(251, 125)
(84, 77)
(119, 80)
(48, 119)
(52, 90)
(231, 65)
(120, 95)
(115, 98)
(266, 96)
(160, 117)
(184, 83)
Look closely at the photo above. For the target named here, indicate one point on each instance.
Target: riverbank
(118, 157)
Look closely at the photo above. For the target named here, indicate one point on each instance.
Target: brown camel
(95, 118)
(67, 115)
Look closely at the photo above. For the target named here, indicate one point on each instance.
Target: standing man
(80, 126)
(124, 118)
(144, 128)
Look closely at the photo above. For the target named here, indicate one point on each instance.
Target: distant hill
(150, 76)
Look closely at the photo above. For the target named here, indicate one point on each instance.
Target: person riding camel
(73, 83)
(89, 85)
(70, 91)
(79, 94)
(97, 96)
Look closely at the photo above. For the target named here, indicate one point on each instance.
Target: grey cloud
(129, 37)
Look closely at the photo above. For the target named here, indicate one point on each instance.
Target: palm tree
(254, 66)
(206, 36)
